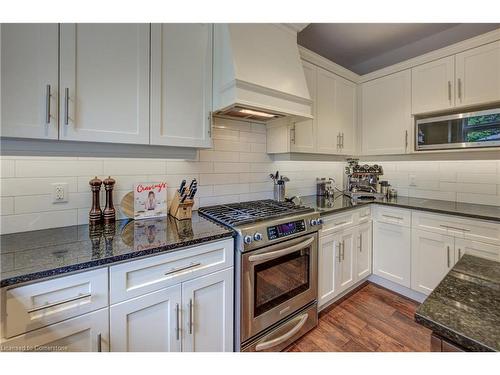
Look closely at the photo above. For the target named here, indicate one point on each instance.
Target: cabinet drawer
(472, 229)
(389, 215)
(364, 215)
(135, 278)
(336, 222)
(37, 305)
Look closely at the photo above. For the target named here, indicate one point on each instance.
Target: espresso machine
(362, 181)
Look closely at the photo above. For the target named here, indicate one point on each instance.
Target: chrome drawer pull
(448, 256)
(47, 104)
(281, 339)
(66, 106)
(99, 342)
(175, 270)
(341, 223)
(393, 217)
(456, 228)
(177, 324)
(278, 253)
(38, 308)
(191, 314)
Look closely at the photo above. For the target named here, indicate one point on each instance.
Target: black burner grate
(249, 212)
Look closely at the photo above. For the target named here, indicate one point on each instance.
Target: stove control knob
(247, 239)
(257, 236)
(320, 221)
(314, 222)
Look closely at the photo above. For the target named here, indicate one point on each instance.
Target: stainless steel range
(276, 279)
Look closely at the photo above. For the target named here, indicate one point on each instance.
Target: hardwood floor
(372, 319)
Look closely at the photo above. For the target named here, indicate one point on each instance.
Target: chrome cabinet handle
(292, 131)
(340, 252)
(278, 253)
(460, 89)
(338, 141)
(360, 243)
(47, 104)
(406, 139)
(66, 106)
(448, 256)
(449, 91)
(281, 339)
(48, 306)
(459, 253)
(343, 250)
(456, 228)
(191, 314)
(177, 323)
(341, 223)
(393, 217)
(99, 342)
(175, 270)
(342, 140)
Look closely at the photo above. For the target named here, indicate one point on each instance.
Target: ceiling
(366, 47)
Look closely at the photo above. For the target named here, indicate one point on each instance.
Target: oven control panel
(286, 229)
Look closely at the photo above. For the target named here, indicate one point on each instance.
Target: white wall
(237, 169)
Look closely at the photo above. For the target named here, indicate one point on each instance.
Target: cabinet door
(303, 138)
(328, 138)
(433, 85)
(150, 323)
(86, 333)
(364, 251)
(29, 84)
(386, 114)
(346, 272)
(478, 75)
(208, 318)
(479, 249)
(345, 108)
(104, 82)
(328, 257)
(432, 256)
(392, 253)
(181, 84)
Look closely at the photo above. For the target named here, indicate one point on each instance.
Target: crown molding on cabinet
(452, 49)
(322, 62)
(293, 28)
(329, 65)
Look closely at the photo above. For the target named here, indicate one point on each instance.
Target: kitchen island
(464, 310)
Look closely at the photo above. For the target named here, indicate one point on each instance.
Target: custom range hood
(258, 73)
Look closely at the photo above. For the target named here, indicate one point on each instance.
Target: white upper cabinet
(104, 82)
(433, 85)
(303, 137)
(478, 75)
(386, 114)
(29, 83)
(336, 114)
(181, 84)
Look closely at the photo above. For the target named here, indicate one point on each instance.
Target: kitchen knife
(183, 184)
(184, 198)
(192, 183)
(192, 193)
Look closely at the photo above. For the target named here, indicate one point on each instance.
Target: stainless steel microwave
(463, 130)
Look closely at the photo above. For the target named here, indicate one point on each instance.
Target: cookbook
(150, 200)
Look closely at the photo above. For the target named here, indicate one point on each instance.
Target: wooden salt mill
(95, 214)
(109, 211)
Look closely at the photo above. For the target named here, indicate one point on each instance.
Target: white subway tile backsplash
(41, 203)
(56, 168)
(223, 167)
(6, 205)
(32, 186)
(127, 167)
(219, 178)
(462, 187)
(223, 145)
(8, 168)
(230, 189)
(38, 220)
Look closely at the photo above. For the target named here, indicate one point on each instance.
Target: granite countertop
(342, 203)
(39, 254)
(465, 307)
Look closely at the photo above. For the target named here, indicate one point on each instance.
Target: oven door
(277, 281)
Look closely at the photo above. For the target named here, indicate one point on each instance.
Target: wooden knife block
(181, 211)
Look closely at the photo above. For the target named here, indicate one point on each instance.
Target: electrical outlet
(412, 180)
(59, 192)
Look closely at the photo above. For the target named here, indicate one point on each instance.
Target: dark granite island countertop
(342, 203)
(465, 307)
(29, 256)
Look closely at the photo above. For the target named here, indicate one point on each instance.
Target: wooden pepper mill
(95, 214)
(109, 211)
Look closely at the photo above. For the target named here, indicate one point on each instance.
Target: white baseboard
(409, 293)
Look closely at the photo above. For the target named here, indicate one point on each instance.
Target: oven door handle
(279, 253)
(281, 339)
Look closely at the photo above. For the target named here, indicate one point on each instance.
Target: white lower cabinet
(207, 306)
(344, 258)
(85, 333)
(364, 251)
(432, 256)
(479, 249)
(150, 323)
(193, 316)
(392, 252)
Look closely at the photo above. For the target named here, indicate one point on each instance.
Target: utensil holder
(181, 211)
(279, 192)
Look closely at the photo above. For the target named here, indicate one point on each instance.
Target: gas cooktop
(235, 214)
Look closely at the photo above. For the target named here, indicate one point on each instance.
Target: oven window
(279, 280)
